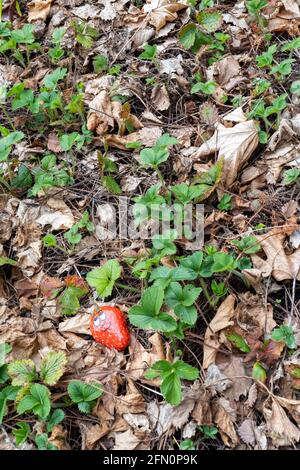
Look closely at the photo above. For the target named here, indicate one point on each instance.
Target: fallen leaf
(222, 319)
(39, 10)
(80, 323)
(271, 352)
(57, 214)
(278, 264)
(235, 144)
(162, 11)
(224, 422)
(246, 431)
(160, 98)
(281, 430)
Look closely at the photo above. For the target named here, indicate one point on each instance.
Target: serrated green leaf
(53, 367)
(57, 417)
(103, 278)
(37, 401)
(21, 433)
(111, 185)
(22, 371)
(209, 20)
(285, 333)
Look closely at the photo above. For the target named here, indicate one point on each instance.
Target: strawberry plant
(84, 395)
(171, 375)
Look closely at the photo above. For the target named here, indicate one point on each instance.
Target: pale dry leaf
(39, 9)
(222, 319)
(162, 11)
(292, 6)
(246, 431)
(235, 144)
(57, 214)
(189, 430)
(126, 440)
(80, 323)
(216, 379)
(29, 258)
(280, 265)
(86, 12)
(137, 421)
(160, 98)
(165, 418)
(252, 396)
(109, 12)
(281, 430)
(173, 65)
(237, 115)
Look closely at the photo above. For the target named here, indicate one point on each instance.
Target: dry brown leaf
(57, 214)
(281, 430)
(278, 264)
(164, 418)
(224, 422)
(235, 144)
(246, 431)
(234, 369)
(141, 359)
(252, 396)
(59, 438)
(162, 11)
(221, 320)
(202, 411)
(129, 440)
(132, 402)
(160, 98)
(253, 312)
(78, 324)
(272, 352)
(91, 433)
(39, 9)
(53, 143)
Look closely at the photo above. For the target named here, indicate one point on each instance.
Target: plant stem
(8, 118)
(130, 288)
(206, 293)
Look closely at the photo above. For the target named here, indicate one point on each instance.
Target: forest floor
(155, 104)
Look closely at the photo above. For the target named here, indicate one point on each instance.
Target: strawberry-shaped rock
(108, 327)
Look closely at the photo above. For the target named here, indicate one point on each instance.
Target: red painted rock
(108, 327)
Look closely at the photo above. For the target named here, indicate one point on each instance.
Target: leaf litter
(88, 92)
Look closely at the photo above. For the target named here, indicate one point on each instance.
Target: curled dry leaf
(222, 319)
(162, 11)
(141, 359)
(78, 324)
(160, 98)
(224, 422)
(39, 9)
(281, 430)
(57, 214)
(278, 264)
(235, 144)
(165, 418)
